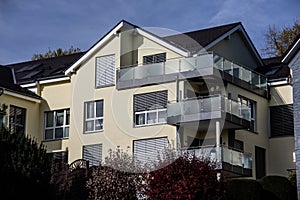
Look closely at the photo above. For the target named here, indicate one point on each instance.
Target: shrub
(244, 189)
(187, 177)
(280, 186)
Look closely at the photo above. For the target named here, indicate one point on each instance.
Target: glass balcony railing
(181, 65)
(209, 104)
(223, 154)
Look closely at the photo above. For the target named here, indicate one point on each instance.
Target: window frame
(94, 118)
(54, 127)
(146, 112)
(253, 111)
(155, 58)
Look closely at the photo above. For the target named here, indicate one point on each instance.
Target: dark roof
(32, 71)
(274, 69)
(7, 82)
(202, 37)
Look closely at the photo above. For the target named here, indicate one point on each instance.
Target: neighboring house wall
(295, 65)
(32, 119)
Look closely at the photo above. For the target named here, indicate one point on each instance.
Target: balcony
(235, 113)
(208, 64)
(235, 162)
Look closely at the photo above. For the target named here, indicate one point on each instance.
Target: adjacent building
(207, 91)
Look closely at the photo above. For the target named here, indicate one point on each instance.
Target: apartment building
(206, 91)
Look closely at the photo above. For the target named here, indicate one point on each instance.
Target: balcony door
(260, 162)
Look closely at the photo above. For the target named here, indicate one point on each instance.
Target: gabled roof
(122, 25)
(7, 82)
(49, 68)
(209, 37)
(203, 37)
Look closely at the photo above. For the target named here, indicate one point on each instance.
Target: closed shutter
(17, 119)
(105, 71)
(282, 120)
(150, 101)
(148, 150)
(93, 153)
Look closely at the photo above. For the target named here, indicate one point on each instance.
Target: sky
(35, 26)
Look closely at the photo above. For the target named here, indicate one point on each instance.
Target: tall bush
(186, 177)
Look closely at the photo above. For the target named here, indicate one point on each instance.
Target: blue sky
(34, 26)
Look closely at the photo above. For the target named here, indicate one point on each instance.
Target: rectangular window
(17, 120)
(148, 150)
(92, 153)
(105, 71)
(57, 124)
(93, 116)
(150, 108)
(248, 111)
(155, 58)
(282, 120)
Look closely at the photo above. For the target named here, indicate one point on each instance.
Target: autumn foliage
(188, 177)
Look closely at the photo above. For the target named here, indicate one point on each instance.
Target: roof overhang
(114, 32)
(227, 34)
(162, 42)
(292, 52)
(21, 96)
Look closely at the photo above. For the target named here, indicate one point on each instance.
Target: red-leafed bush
(187, 177)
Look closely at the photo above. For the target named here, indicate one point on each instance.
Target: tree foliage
(55, 53)
(187, 177)
(24, 168)
(278, 40)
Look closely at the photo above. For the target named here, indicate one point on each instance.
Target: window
(57, 124)
(105, 71)
(93, 116)
(148, 150)
(155, 58)
(92, 153)
(248, 111)
(150, 108)
(17, 119)
(282, 120)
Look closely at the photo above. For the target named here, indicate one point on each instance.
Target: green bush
(280, 186)
(244, 189)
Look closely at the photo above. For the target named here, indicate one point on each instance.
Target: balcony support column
(218, 134)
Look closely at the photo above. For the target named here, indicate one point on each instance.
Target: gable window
(150, 108)
(105, 71)
(93, 120)
(57, 124)
(92, 153)
(248, 111)
(155, 58)
(17, 119)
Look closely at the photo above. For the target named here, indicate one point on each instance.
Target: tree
(278, 40)
(55, 53)
(24, 168)
(187, 177)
